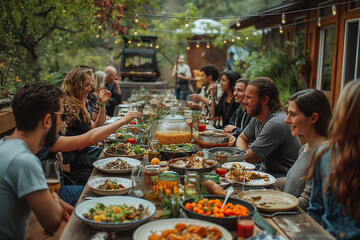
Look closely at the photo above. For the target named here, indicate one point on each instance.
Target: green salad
(179, 147)
(120, 148)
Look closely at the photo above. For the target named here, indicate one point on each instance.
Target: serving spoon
(229, 191)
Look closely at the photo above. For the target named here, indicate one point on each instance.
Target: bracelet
(96, 108)
(101, 105)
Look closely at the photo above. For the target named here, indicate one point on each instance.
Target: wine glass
(52, 174)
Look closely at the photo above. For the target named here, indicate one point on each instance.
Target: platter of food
(179, 227)
(120, 149)
(116, 164)
(118, 213)
(247, 166)
(251, 178)
(231, 153)
(108, 186)
(194, 163)
(120, 135)
(270, 201)
(170, 151)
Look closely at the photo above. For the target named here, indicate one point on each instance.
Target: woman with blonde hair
(76, 87)
(335, 194)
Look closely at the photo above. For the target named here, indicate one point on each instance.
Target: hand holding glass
(52, 174)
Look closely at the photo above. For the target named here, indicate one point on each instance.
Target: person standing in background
(113, 85)
(182, 75)
(229, 65)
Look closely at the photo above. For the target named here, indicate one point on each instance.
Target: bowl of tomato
(209, 209)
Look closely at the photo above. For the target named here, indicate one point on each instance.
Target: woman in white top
(182, 75)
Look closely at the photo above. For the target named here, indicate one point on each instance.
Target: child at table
(309, 116)
(335, 194)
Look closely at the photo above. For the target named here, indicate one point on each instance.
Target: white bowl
(94, 184)
(85, 206)
(99, 164)
(143, 232)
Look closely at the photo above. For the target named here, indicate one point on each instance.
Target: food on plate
(125, 149)
(180, 147)
(256, 197)
(110, 185)
(237, 174)
(117, 165)
(116, 213)
(213, 188)
(173, 136)
(212, 207)
(252, 175)
(184, 231)
(193, 161)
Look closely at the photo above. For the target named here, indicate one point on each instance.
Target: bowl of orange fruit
(209, 209)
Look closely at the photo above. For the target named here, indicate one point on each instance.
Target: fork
(277, 213)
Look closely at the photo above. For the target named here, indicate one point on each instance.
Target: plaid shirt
(206, 111)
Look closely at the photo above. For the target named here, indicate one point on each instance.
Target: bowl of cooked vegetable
(170, 151)
(108, 186)
(209, 209)
(120, 149)
(115, 213)
(194, 163)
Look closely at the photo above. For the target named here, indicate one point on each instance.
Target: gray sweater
(293, 184)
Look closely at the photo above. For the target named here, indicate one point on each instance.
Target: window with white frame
(351, 55)
(326, 57)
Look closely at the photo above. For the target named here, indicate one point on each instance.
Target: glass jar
(192, 185)
(150, 182)
(168, 183)
(173, 129)
(208, 176)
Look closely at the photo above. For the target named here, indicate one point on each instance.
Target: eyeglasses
(63, 115)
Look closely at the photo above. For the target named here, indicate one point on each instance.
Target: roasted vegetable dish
(125, 149)
(116, 213)
(117, 164)
(193, 161)
(109, 185)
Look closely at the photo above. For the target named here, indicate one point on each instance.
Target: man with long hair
(269, 135)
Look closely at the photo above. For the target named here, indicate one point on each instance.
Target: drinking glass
(202, 124)
(245, 227)
(154, 150)
(131, 138)
(52, 174)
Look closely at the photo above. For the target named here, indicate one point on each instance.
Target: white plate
(100, 163)
(247, 166)
(258, 182)
(94, 184)
(143, 232)
(85, 206)
(123, 105)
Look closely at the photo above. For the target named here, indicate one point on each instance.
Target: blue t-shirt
(325, 209)
(21, 173)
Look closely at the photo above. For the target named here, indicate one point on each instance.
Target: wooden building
(333, 47)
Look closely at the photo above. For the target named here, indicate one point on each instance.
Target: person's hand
(116, 80)
(130, 115)
(104, 95)
(195, 97)
(229, 128)
(180, 76)
(67, 208)
(213, 89)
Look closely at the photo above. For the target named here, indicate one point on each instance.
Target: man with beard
(113, 85)
(38, 112)
(269, 136)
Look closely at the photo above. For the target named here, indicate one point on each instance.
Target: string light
(136, 18)
(225, 41)
(64, 10)
(151, 44)
(333, 9)
(319, 22)
(207, 44)
(238, 23)
(97, 35)
(186, 22)
(139, 44)
(116, 41)
(135, 32)
(197, 44)
(281, 29)
(238, 37)
(100, 26)
(188, 47)
(129, 41)
(157, 46)
(233, 39)
(247, 38)
(283, 18)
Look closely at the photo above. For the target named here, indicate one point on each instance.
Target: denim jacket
(325, 209)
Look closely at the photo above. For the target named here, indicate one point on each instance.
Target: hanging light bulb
(186, 22)
(64, 10)
(233, 39)
(280, 29)
(283, 18)
(129, 41)
(97, 35)
(136, 18)
(225, 41)
(157, 46)
(333, 9)
(116, 41)
(135, 32)
(197, 44)
(100, 26)
(207, 45)
(139, 44)
(319, 22)
(238, 22)
(188, 47)
(112, 34)
(238, 37)
(151, 44)
(247, 38)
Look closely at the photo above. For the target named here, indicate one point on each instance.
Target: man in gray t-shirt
(270, 137)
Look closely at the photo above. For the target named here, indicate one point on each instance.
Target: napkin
(263, 224)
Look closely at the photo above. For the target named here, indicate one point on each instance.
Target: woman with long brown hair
(335, 195)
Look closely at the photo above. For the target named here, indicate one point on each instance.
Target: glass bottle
(150, 182)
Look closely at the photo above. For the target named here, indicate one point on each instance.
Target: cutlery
(277, 213)
(229, 191)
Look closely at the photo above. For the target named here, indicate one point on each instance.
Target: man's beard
(254, 111)
(50, 137)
